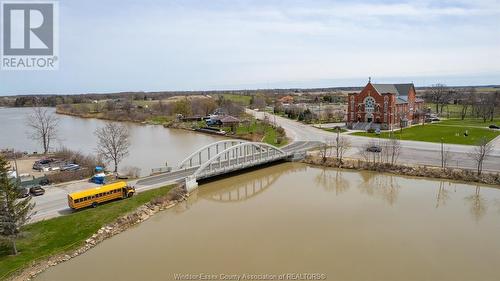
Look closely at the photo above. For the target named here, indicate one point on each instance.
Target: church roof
(397, 89)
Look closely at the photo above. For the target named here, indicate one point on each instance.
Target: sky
(147, 45)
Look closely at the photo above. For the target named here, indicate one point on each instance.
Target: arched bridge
(224, 157)
(230, 155)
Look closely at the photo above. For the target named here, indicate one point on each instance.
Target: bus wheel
(94, 204)
(130, 195)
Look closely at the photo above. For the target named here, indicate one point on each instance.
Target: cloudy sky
(108, 46)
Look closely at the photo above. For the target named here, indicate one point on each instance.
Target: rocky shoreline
(143, 213)
(407, 170)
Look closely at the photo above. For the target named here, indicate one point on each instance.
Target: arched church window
(369, 104)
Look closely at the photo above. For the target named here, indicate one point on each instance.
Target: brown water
(293, 218)
(151, 146)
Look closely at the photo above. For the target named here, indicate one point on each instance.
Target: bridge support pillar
(191, 183)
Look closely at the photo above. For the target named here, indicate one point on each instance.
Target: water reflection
(478, 204)
(387, 187)
(384, 186)
(443, 195)
(243, 189)
(332, 181)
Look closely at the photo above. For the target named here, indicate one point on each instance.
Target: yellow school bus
(95, 196)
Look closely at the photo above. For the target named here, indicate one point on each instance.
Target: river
(294, 218)
(151, 145)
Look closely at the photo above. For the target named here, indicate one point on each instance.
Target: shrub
(85, 161)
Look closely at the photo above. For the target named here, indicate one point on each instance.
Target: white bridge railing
(230, 155)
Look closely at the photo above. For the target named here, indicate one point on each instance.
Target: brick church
(384, 106)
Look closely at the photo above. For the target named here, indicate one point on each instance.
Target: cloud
(196, 44)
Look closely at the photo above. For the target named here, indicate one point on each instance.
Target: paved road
(413, 152)
(54, 202)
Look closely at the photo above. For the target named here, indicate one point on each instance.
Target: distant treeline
(57, 99)
(53, 100)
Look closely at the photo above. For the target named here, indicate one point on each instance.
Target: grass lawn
(241, 99)
(434, 132)
(270, 133)
(332, 130)
(57, 235)
(454, 111)
(158, 120)
(472, 122)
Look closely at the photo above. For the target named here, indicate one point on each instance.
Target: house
(384, 106)
(229, 120)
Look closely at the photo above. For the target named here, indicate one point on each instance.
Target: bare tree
(494, 103)
(394, 149)
(466, 99)
(437, 94)
(445, 155)
(258, 101)
(341, 145)
(323, 149)
(368, 154)
(113, 142)
(43, 124)
(480, 153)
(127, 106)
(483, 108)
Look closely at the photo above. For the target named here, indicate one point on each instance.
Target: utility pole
(319, 116)
(17, 170)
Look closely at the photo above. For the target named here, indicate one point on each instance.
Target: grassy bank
(46, 238)
(407, 170)
(257, 131)
(333, 130)
(452, 131)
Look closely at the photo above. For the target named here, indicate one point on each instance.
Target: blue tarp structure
(99, 177)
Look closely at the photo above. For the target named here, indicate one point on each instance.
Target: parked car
(44, 181)
(435, 119)
(493, 126)
(37, 190)
(23, 192)
(374, 148)
(37, 166)
(44, 161)
(70, 167)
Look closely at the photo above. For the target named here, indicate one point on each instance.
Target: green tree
(14, 212)
(183, 107)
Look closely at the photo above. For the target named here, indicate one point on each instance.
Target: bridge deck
(226, 166)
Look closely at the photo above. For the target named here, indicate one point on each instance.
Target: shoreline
(425, 172)
(169, 125)
(121, 224)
